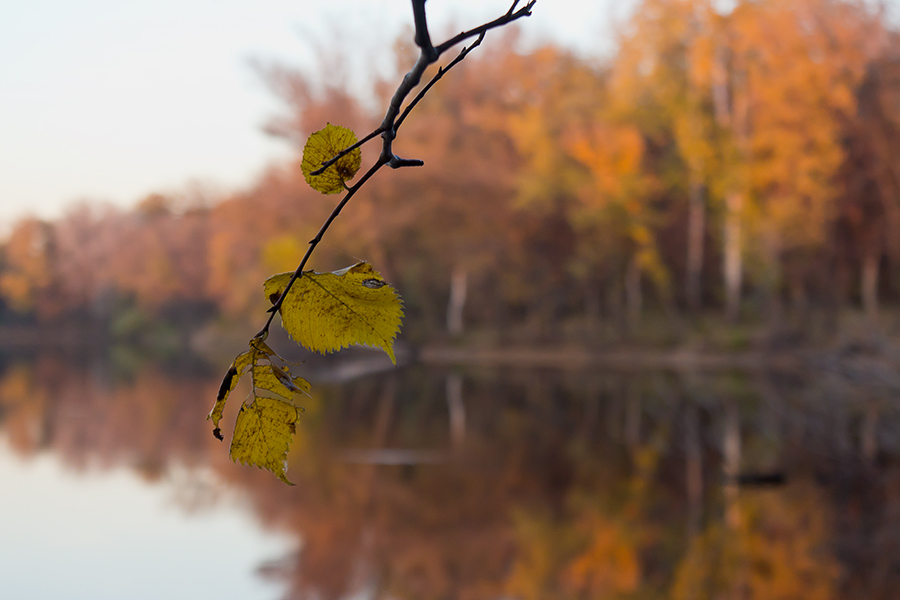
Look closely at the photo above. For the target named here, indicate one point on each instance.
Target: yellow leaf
(263, 433)
(266, 423)
(277, 381)
(234, 374)
(325, 312)
(324, 145)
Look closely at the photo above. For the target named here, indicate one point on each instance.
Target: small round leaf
(324, 145)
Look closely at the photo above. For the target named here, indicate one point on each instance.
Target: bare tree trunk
(693, 467)
(457, 410)
(869, 284)
(773, 276)
(385, 414)
(799, 299)
(732, 113)
(695, 235)
(592, 310)
(632, 414)
(731, 461)
(869, 432)
(458, 291)
(591, 416)
(615, 309)
(732, 260)
(633, 298)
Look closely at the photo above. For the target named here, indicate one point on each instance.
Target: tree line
(742, 163)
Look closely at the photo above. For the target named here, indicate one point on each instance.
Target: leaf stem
(441, 72)
(509, 17)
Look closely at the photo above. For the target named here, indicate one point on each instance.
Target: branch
(426, 58)
(429, 55)
(388, 129)
(434, 80)
(423, 39)
(509, 17)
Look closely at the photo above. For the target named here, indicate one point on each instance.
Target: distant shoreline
(578, 358)
(868, 356)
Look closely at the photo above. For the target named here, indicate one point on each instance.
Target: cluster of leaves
(267, 423)
(325, 312)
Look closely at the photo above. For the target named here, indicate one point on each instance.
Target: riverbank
(706, 343)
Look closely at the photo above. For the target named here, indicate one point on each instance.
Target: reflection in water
(111, 535)
(421, 483)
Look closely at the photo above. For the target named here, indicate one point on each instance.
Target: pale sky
(110, 100)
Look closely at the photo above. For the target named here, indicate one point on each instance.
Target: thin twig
(434, 80)
(315, 242)
(509, 17)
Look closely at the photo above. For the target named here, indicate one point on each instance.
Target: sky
(107, 101)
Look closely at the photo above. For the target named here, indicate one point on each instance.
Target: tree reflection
(541, 484)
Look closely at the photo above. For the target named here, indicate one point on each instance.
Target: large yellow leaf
(263, 434)
(324, 145)
(266, 423)
(325, 312)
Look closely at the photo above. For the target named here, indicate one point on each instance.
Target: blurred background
(651, 275)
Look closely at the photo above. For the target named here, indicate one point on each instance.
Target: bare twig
(426, 58)
(434, 80)
(509, 17)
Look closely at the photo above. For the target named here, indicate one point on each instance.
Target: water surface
(440, 483)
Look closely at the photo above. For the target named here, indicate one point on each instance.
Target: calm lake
(442, 482)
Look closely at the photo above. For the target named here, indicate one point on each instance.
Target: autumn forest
(723, 185)
(741, 166)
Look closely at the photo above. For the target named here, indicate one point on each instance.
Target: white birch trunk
(458, 291)
(633, 298)
(869, 283)
(457, 410)
(732, 265)
(695, 234)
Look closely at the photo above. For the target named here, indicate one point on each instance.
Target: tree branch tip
(473, 45)
(397, 162)
(525, 11)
